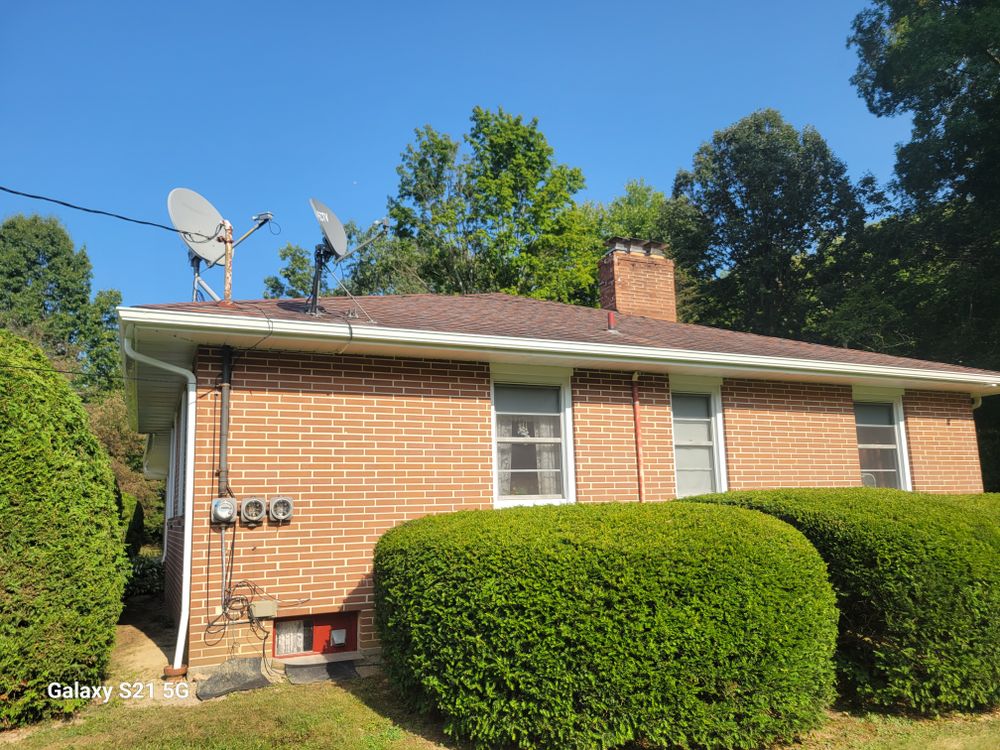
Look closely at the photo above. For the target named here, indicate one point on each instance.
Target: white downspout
(192, 400)
(171, 488)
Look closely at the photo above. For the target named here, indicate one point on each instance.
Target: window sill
(319, 658)
(516, 502)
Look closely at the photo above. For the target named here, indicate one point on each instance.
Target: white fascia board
(616, 355)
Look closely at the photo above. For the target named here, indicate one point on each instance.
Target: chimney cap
(632, 245)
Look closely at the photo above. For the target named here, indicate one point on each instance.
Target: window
(330, 633)
(529, 442)
(881, 433)
(878, 445)
(533, 435)
(694, 445)
(699, 456)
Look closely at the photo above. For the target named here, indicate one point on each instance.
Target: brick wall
(364, 443)
(604, 436)
(638, 284)
(789, 435)
(361, 444)
(941, 434)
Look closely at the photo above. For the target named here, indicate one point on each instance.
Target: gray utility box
(264, 609)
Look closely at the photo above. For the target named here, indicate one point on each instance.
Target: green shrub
(918, 582)
(62, 564)
(587, 626)
(146, 576)
(132, 523)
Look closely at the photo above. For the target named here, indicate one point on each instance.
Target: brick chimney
(636, 278)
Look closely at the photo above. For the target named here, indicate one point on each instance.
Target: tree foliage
(493, 211)
(938, 60)
(770, 200)
(45, 295)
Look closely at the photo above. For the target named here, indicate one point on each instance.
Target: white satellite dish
(199, 224)
(333, 230)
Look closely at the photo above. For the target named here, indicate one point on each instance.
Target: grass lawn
(365, 715)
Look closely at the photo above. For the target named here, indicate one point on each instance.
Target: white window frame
(893, 396)
(504, 374)
(698, 385)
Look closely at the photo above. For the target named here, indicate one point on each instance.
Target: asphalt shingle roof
(506, 315)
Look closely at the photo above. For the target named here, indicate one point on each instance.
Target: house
(387, 408)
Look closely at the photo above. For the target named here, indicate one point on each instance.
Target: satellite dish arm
(382, 232)
(261, 220)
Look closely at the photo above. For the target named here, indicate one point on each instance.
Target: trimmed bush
(62, 563)
(918, 582)
(146, 576)
(589, 626)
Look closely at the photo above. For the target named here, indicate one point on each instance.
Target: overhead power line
(113, 215)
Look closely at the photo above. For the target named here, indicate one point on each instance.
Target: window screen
(694, 444)
(878, 448)
(529, 441)
(293, 637)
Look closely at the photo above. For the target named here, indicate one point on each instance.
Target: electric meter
(280, 509)
(223, 510)
(252, 511)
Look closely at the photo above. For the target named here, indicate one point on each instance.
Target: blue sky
(262, 105)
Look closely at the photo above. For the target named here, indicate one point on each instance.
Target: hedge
(589, 626)
(918, 582)
(62, 563)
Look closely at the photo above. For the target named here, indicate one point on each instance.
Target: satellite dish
(199, 223)
(333, 230)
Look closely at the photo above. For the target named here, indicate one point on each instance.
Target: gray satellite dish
(333, 230)
(199, 223)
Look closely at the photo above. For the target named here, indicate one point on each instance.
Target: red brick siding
(941, 435)
(789, 435)
(604, 436)
(364, 443)
(637, 284)
(361, 444)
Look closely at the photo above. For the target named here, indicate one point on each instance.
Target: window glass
(878, 449)
(694, 444)
(873, 414)
(527, 399)
(529, 441)
(293, 637)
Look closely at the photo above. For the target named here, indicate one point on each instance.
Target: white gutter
(618, 354)
(192, 401)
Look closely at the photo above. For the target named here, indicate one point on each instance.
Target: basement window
(330, 633)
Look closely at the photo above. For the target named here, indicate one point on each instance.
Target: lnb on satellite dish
(198, 222)
(333, 230)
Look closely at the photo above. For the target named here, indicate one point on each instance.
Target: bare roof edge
(211, 327)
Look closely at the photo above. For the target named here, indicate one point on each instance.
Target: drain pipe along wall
(178, 666)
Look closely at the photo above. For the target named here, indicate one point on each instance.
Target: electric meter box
(223, 510)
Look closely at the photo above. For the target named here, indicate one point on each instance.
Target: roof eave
(248, 331)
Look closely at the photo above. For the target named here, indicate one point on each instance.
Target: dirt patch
(144, 640)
